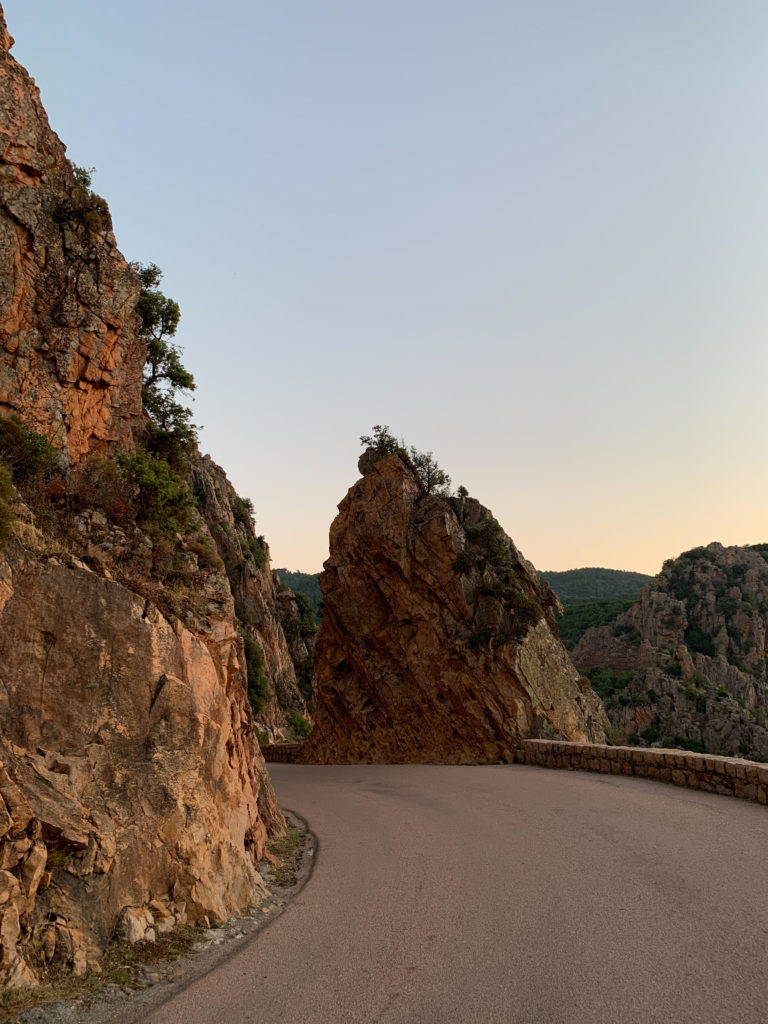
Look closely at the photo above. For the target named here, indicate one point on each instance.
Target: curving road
(506, 895)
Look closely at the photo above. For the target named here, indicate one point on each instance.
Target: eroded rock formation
(70, 359)
(130, 780)
(437, 642)
(686, 665)
(133, 793)
(261, 604)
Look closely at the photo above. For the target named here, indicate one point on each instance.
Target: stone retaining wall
(728, 775)
(285, 753)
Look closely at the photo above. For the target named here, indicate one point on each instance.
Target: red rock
(67, 296)
(428, 652)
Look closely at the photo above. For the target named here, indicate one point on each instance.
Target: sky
(532, 238)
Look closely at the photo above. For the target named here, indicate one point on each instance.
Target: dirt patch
(131, 976)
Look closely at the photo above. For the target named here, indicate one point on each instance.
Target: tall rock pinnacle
(438, 641)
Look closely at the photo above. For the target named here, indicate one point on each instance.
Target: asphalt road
(506, 895)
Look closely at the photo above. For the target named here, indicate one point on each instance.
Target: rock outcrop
(133, 794)
(437, 642)
(130, 777)
(262, 606)
(70, 359)
(686, 665)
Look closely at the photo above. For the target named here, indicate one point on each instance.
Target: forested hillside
(575, 586)
(304, 583)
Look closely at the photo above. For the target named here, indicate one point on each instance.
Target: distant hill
(685, 665)
(578, 618)
(579, 586)
(304, 583)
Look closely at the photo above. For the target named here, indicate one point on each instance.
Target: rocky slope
(265, 609)
(437, 641)
(134, 795)
(686, 664)
(70, 359)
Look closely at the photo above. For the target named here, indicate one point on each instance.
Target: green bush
(464, 563)
(255, 548)
(578, 618)
(699, 554)
(298, 723)
(304, 672)
(303, 583)
(101, 483)
(652, 733)
(258, 684)
(26, 453)
(480, 638)
(306, 615)
(628, 632)
(207, 556)
(606, 682)
(727, 605)
(163, 501)
(688, 744)
(78, 204)
(242, 510)
(431, 477)
(489, 537)
(6, 506)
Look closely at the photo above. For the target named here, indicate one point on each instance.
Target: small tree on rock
(430, 476)
(172, 431)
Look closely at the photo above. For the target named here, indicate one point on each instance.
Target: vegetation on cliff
(306, 583)
(431, 477)
(577, 586)
(132, 795)
(171, 431)
(576, 619)
(686, 664)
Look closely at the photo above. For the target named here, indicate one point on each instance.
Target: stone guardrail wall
(283, 753)
(730, 776)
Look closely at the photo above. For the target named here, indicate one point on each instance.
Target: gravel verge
(122, 992)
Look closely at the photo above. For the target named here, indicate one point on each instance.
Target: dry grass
(287, 851)
(121, 965)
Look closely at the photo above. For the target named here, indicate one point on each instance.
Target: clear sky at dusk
(530, 237)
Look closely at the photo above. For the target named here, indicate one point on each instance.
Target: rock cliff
(133, 793)
(70, 359)
(437, 642)
(130, 780)
(264, 608)
(686, 665)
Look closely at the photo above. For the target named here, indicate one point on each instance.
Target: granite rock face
(130, 778)
(437, 642)
(261, 604)
(133, 792)
(70, 358)
(686, 665)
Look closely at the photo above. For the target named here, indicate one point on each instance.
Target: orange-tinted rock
(129, 767)
(259, 602)
(437, 640)
(131, 785)
(70, 358)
